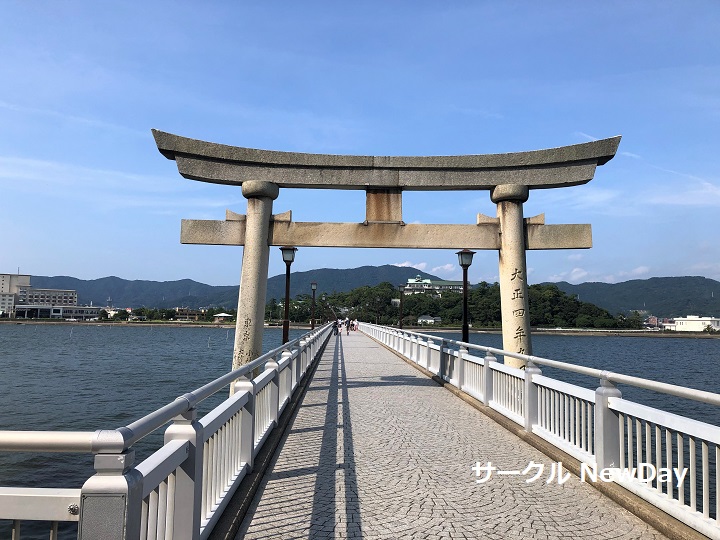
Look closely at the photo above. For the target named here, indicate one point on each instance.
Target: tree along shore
(550, 308)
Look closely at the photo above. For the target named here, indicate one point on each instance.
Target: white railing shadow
(614, 439)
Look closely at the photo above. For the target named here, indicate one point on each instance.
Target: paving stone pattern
(378, 450)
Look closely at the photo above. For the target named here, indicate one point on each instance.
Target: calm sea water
(88, 377)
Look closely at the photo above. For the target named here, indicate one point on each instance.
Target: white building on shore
(693, 323)
(419, 285)
(19, 299)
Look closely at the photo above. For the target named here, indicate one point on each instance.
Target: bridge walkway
(379, 450)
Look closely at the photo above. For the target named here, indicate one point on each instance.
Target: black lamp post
(401, 288)
(288, 255)
(465, 258)
(313, 286)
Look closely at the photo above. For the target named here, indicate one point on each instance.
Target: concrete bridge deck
(379, 450)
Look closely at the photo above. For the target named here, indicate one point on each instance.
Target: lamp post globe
(288, 254)
(465, 258)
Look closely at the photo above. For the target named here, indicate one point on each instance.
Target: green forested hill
(664, 297)
(660, 296)
(189, 293)
(137, 293)
(549, 307)
(331, 280)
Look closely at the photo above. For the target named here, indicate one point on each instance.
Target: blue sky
(84, 191)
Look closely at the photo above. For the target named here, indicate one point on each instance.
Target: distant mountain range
(664, 297)
(189, 293)
(661, 296)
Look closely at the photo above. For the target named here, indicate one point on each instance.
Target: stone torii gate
(508, 177)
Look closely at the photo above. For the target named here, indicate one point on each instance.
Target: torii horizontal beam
(486, 235)
(221, 164)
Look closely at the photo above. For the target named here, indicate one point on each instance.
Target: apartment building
(10, 285)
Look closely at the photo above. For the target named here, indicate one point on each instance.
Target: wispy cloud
(636, 272)
(290, 129)
(107, 189)
(575, 275)
(91, 122)
(589, 198)
(408, 264)
(707, 269)
(585, 136)
(444, 269)
(701, 193)
(578, 275)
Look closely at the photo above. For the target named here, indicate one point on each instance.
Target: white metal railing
(566, 413)
(158, 495)
(180, 490)
(507, 395)
(49, 505)
(603, 431)
(668, 441)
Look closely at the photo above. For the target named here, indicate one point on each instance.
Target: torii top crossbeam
(221, 164)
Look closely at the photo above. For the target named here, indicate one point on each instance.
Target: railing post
(428, 354)
(460, 367)
(275, 385)
(310, 352)
(111, 500)
(297, 354)
(488, 378)
(607, 428)
(189, 478)
(247, 436)
(306, 347)
(530, 396)
(443, 361)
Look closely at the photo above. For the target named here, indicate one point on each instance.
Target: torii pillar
(514, 304)
(253, 277)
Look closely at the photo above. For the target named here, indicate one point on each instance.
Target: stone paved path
(378, 450)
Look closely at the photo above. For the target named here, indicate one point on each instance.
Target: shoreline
(420, 330)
